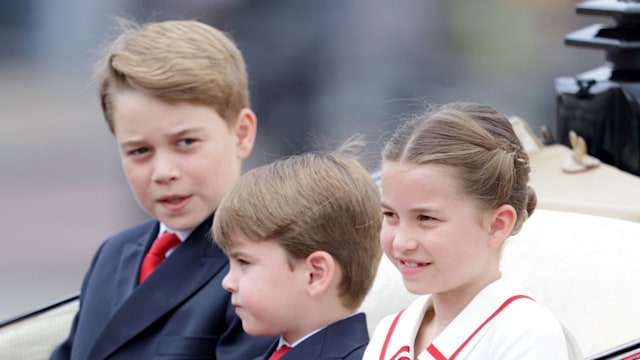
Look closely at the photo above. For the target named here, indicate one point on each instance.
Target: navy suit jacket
(345, 339)
(179, 311)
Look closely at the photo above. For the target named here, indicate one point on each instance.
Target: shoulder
(524, 312)
(529, 312)
(527, 327)
(526, 316)
(522, 327)
(136, 233)
(137, 230)
(354, 325)
(343, 339)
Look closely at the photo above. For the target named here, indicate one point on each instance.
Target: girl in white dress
(454, 188)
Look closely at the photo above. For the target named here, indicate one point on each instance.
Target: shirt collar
(182, 234)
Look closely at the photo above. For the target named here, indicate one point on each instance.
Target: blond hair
(317, 201)
(480, 144)
(175, 61)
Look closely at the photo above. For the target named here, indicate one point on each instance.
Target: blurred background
(320, 71)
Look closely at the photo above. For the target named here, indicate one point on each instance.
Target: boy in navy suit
(175, 96)
(302, 237)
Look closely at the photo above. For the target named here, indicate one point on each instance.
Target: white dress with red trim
(500, 322)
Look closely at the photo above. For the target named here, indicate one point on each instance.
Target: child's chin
(255, 331)
(185, 221)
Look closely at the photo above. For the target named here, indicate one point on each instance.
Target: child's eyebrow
(182, 132)
(420, 209)
(131, 143)
(236, 253)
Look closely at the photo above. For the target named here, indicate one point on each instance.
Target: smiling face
(435, 235)
(267, 293)
(179, 158)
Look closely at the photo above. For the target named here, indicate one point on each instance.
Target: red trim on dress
(402, 349)
(431, 349)
(388, 338)
(495, 313)
(435, 353)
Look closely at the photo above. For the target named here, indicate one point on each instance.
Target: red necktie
(157, 253)
(278, 353)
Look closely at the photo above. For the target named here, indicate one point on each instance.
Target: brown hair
(480, 144)
(314, 201)
(175, 61)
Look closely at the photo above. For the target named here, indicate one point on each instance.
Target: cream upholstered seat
(585, 269)
(35, 336)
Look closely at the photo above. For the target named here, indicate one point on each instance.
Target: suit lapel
(267, 354)
(126, 278)
(191, 265)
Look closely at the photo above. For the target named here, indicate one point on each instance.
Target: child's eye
(137, 151)
(186, 142)
(425, 218)
(389, 214)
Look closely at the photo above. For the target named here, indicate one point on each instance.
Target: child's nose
(404, 240)
(228, 283)
(165, 169)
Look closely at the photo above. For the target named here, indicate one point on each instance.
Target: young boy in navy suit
(175, 96)
(302, 237)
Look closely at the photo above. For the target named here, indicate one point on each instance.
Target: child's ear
(502, 221)
(245, 131)
(321, 269)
